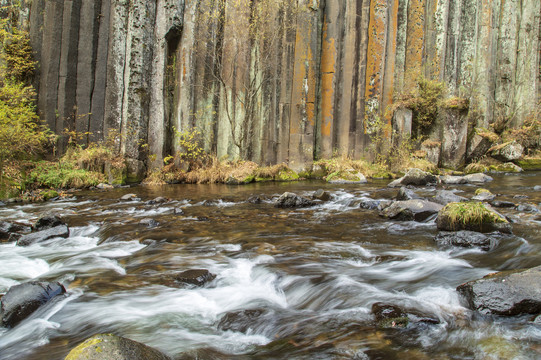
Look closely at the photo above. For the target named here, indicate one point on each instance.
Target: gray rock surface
(467, 239)
(417, 210)
(61, 231)
(290, 200)
(22, 300)
(444, 197)
(505, 293)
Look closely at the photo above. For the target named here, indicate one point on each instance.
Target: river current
(308, 276)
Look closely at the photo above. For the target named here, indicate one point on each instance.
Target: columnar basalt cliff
(287, 82)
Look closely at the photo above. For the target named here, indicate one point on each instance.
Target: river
(309, 275)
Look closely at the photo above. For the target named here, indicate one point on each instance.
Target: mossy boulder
(483, 195)
(530, 164)
(473, 216)
(507, 167)
(112, 347)
(287, 175)
(507, 152)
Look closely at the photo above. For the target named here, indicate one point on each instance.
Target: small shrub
(62, 175)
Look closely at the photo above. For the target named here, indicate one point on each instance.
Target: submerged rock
(239, 321)
(369, 204)
(467, 239)
(417, 210)
(444, 197)
(112, 347)
(393, 316)
(158, 200)
(22, 300)
(503, 204)
(473, 216)
(505, 293)
(290, 200)
(527, 208)
(61, 231)
(197, 277)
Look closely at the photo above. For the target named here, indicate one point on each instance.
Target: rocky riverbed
(281, 270)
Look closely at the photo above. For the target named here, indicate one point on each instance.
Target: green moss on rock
(473, 216)
(530, 164)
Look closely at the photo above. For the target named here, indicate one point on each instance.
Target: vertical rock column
(305, 85)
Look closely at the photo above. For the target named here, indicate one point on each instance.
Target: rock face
(471, 216)
(290, 200)
(112, 347)
(506, 293)
(137, 67)
(467, 239)
(22, 300)
(418, 210)
(61, 231)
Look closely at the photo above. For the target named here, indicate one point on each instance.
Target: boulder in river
(22, 300)
(453, 180)
(239, 321)
(112, 347)
(198, 277)
(483, 195)
(417, 210)
(321, 195)
(290, 200)
(467, 239)
(415, 177)
(406, 194)
(444, 197)
(150, 223)
(477, 178)
(393, 316)
(502, 204)
(129, 197)
(61, 231)
(473, 216)
(156, 201)
(48, 221)
(10, 231)
(527, 208)
(505, 293)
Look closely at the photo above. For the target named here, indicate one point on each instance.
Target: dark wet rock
(444, 197)
(508, 152)
(61, 231)
(290, 200)
(151, 223)
(505, 293)
(483, 195)
(520, 197)
(156, 201)
(22, 300)
(472, 216)
(527, 208)
(467, 239)
(254, 199)
(197, 277)
(321, 195)
(239, 321)
(477, 178)
(415, 177)
(503, 204)
(393, 316)
(129, 197)
(406, 194)
(369, 204)
(9, 231)
(47, 222)
(417, 210)
(453, 180)
(112, 347)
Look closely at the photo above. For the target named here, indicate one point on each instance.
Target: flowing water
(309, 275)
